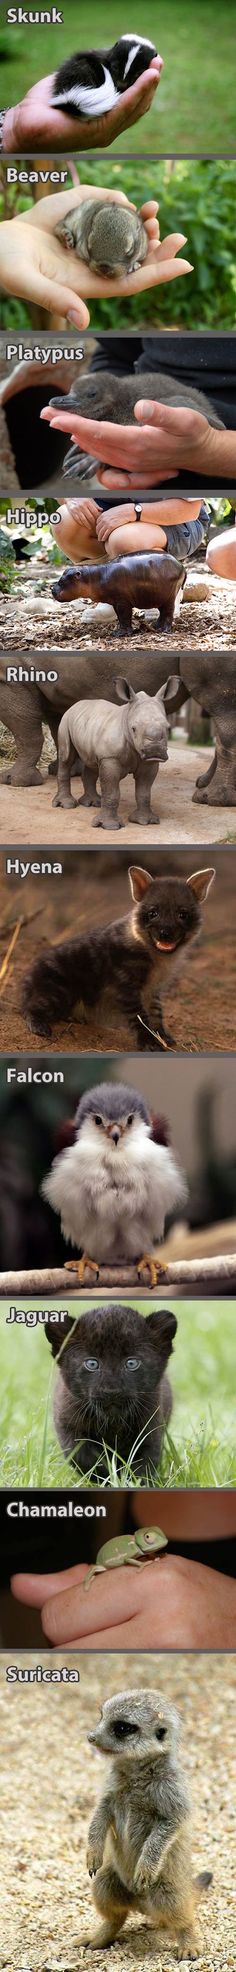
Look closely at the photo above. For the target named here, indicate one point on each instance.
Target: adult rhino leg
(20, 711)
(204, 779)
(222, 782)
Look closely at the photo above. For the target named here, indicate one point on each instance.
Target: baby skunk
(92, 82)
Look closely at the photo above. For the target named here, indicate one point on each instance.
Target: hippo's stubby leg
(145, 774)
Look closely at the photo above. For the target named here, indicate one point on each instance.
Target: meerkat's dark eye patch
(122, 1730)
(161, 1732)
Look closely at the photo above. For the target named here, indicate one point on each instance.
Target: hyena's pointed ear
(139, 882)
(200, 883)
(57, 1333)
(124, 690)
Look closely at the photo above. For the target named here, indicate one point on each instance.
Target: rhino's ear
(139, 882)
(124, 691)
(168, 692)
(200, 883)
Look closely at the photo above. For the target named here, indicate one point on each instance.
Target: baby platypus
(110, 237)
(91, 82)
(102, 395)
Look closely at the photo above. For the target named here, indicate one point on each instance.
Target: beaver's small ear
(139, 882)
(200, 883)
(124, 690)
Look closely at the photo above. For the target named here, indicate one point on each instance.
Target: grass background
(194, 108)
(199, 1449)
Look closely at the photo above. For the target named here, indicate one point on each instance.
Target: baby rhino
(111, 1387)
(139, 1847)
(112, 741)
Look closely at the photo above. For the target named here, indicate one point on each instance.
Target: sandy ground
(50, 1783)
(27, 814)
(31, 618)
(93, 891)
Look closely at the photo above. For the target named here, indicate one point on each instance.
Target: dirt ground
(31, 619)
(50, 1783)
(28, 815)
(200, 1012)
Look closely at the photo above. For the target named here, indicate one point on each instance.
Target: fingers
(148, 412)
(139, 481)
(110, 1599)
(58, 299)
(36, 1589)
(171, 245)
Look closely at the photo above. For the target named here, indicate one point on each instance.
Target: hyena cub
(134, 959)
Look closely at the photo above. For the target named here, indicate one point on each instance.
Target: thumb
(149, 412)
(59, 299)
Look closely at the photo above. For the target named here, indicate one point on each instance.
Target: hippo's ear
(124, 691)
(168, 692)
(139, 882)
(200, 883)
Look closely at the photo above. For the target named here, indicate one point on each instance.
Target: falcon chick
(114, 1186)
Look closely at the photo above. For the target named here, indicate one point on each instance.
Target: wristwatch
(137, 509)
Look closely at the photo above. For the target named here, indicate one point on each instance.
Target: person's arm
(168, 1604)
(157, 447)
(35, 125)
(156, 513)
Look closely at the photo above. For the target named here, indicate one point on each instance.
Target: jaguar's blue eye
(133, 1362)
(91, 1362)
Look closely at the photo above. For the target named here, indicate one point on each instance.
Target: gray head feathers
(111, 1100)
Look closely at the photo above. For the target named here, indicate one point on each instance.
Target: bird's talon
(155, 1268)
(78, 1267)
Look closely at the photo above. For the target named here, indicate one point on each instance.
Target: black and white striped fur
(91, 82)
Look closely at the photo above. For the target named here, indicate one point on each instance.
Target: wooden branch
(212, 1274)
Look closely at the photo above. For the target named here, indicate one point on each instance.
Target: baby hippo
(112, 741)
(143, 581)
(112, 1386)
(110, 237)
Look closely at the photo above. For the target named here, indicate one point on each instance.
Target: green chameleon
(127, 1547)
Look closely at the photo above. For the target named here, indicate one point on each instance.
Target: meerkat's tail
(203, 1881)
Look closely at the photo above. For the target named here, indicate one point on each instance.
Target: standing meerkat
(139, 1849)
